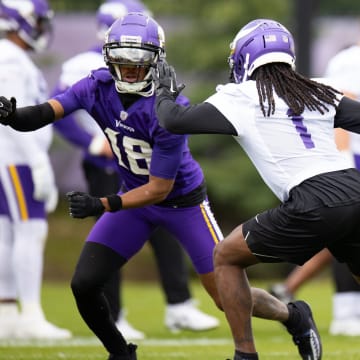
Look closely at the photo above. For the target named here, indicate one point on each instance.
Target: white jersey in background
(20, 78)
(344, 68)
(27, 192)
(303, 148)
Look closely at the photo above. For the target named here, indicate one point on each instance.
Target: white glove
(45, 189)
(52, 201)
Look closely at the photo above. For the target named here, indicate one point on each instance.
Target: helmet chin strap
(140, 88)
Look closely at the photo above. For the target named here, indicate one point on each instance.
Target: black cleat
(131, 356)
(305, 335)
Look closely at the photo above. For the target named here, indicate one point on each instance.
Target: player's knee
(219, 254)
(81, 285)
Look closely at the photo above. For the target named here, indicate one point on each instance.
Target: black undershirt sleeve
(348, 115)
(31, 118)
(203, 118)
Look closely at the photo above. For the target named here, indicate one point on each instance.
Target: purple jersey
(141, 146)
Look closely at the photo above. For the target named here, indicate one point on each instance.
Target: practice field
(145, 305)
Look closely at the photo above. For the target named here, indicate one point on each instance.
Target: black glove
(164, 77)
(82, 205)
(7, 109)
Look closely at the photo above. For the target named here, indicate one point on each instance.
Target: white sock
(7, 279)
(343, 305)
(28, 259)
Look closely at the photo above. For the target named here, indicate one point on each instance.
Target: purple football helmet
(258, 43)
(30, 19)
(137, 41)
(112, 10)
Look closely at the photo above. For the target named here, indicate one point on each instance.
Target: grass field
(145, 306)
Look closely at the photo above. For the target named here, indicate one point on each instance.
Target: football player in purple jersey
(102, 177)
(164, 185)
(285, 123)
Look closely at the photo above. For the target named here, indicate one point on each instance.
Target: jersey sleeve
(69, 128)
(78, 96)
(227, 104)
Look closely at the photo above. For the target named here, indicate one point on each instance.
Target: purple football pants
(127, 231)
(16, 194)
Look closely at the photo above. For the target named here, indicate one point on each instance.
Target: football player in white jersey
(102, 176)
(344, 71)
(285, 123)
(27, 185)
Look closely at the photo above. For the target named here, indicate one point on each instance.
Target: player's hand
(7, 109)
(164, 77)
(82, 205)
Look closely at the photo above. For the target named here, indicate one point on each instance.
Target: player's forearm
(145, 195)
(203, 118)
(348, 115)
(30, 118)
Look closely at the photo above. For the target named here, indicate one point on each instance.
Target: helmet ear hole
(240, 64)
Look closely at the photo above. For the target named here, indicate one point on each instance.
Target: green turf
(145, 306)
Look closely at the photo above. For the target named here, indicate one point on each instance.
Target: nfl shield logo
(123, 115)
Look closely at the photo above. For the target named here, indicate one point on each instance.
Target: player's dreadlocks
(296, 90)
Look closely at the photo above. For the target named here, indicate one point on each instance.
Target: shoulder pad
(102, 75)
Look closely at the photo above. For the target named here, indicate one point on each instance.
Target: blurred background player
(27, 186)
(343, 70)
(102, 177)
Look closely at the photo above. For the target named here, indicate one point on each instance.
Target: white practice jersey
(286, 150)
(344, 68)
(73, 70)
(20, 78)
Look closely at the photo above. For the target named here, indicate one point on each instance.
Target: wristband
(115, 202)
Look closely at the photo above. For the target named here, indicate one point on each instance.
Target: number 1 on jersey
(302, 130)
